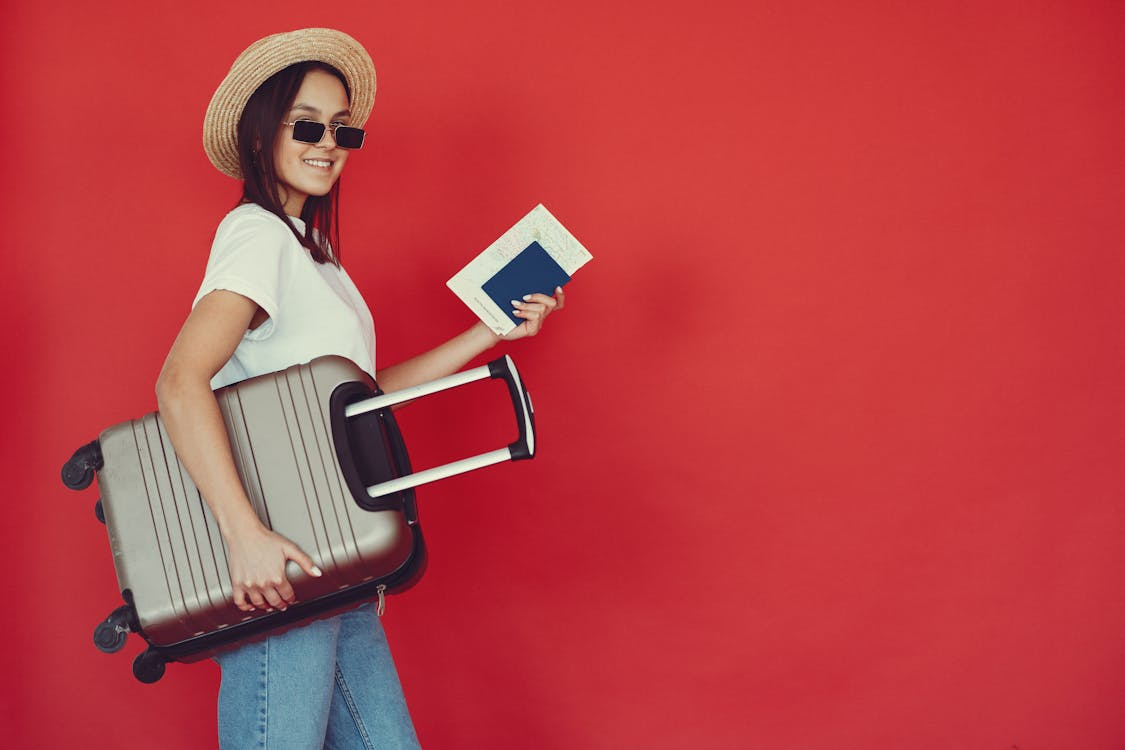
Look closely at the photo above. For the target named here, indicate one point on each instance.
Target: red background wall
(831, 430)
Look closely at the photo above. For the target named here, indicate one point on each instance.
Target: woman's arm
(209, 336)
(195, 425)
(454, 354)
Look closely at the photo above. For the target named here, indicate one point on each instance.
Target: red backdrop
(831, 432)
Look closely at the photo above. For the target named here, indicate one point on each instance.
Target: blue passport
(531, 271)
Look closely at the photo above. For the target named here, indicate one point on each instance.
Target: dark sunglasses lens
(307, 131)
(349, 137)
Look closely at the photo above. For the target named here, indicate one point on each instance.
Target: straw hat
(267, 56)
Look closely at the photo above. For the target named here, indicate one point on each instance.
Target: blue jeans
(330, 684)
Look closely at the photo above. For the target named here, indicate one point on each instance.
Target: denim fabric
(329, 684)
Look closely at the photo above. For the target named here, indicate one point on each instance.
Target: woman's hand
(257, 569)
(534, 309)
(454, 354)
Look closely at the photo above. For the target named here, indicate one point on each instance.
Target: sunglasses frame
(320, 136)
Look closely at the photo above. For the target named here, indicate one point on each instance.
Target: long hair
(257, 134)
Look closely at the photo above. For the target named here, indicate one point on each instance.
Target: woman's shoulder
(254, 215)
(251, 221)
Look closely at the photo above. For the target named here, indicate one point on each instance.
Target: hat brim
(267, 56)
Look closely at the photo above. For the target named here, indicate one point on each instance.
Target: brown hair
(257, 134)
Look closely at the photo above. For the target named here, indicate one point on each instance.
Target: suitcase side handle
(523, 448)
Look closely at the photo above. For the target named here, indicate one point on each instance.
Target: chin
(317, 191)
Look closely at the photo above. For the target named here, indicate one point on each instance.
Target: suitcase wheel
(109, 636)
(148, 667)
(109, 639)
(78, 472)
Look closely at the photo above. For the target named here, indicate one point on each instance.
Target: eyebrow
(313, 110)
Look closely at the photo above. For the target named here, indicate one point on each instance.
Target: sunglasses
(310, 131)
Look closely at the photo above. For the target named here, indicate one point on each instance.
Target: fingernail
(527, 298)
(558, 289)
(515, 303)
(316, 572)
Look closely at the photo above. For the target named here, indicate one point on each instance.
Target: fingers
(268, 597)
(285, 594)
(294, 553)
(531, 313)
(272, 590)
(248, 599)
(252, 598)
(273, 596)
(536, 307)
(550, 302)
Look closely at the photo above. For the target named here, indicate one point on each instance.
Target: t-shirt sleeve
(248, 257)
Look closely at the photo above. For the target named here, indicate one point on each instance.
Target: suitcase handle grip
(505, 369)
(523, 448)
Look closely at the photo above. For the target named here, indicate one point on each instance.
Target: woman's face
(305, 169)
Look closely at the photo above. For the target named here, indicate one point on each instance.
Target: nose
(330, 134)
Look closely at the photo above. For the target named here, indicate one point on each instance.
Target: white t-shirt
(314, 308)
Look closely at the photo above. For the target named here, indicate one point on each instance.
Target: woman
(274, 294)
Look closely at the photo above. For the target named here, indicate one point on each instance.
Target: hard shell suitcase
(323, 463)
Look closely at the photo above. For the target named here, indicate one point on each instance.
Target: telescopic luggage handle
(522, 448)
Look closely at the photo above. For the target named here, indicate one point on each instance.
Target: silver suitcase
(323, 462)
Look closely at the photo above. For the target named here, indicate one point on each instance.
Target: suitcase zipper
(382, 607)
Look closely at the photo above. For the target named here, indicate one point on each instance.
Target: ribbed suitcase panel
(338, 549)
(184, 543)
(206, 571)
(196, 602)
(167, 547)
(135, 523)
(273, 459)
(375, 543)
(284, 419)
(164, 515)
(330, 497)
(153, 536)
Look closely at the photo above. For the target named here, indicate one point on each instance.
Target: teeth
(318, 162)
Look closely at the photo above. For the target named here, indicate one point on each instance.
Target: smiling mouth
(322, 163)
